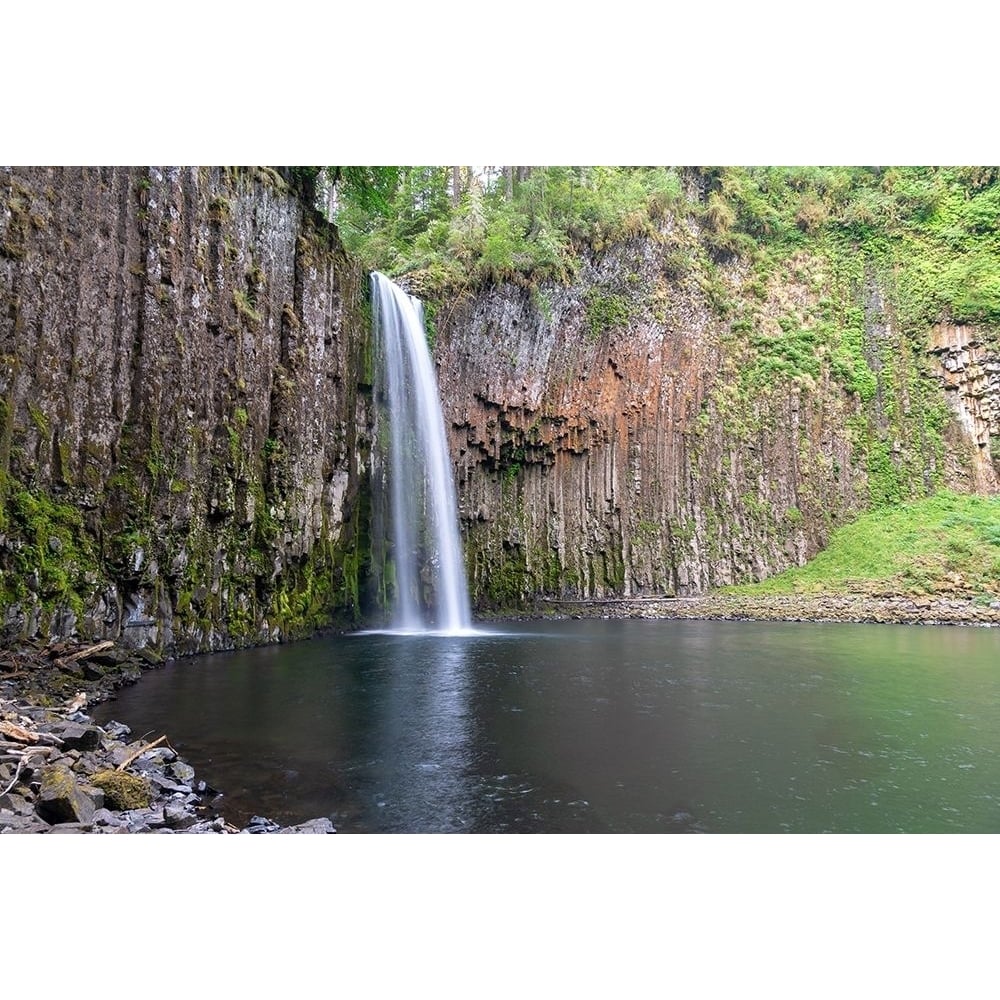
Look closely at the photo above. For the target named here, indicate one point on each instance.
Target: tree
(370, 188)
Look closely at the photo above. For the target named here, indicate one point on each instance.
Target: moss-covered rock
(123, 791)
(61, 799)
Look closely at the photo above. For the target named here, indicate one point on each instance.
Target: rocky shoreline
(848, 608)
(61, 773)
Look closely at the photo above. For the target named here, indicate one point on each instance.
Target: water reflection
(599, 726)
(420, 736)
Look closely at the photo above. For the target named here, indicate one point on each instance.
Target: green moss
(505, 586)
(245, 307)
(123, 791)
(605, 311)
(39, 419)
(646, 531)
(6, 435)
(52, 547)
(219, 209)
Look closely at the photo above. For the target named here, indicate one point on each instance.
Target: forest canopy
(448, 228)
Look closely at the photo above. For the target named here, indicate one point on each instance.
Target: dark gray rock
(205, 826)
(107, 658)
(105, 817)
(163, 784)
(182, 771)
(96, 795)
(321, 825)
(117, 730)
(179, 816)
(61, 799)
(261, 824)
(75, 736)
(14, 804)
(15, 823)
(150, 818)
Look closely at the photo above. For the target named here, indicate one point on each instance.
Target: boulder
(75, 736)
(93, 671)
(15, 803)
(61, 799)
(144, 820)
(321, 825)
(178, 816)
(117, 730)
(16, 823)
(182, 771)
(261, 824)
(105, 817)
(123, 791)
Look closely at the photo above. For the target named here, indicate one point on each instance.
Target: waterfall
(424, 577)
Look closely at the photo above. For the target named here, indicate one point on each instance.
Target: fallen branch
(20, 748)
(89, 651)
(27, 753)
(149, 746)
(82, 654)
(17, 774)
(16, 732)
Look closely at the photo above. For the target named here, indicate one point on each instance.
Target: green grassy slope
(944, 544)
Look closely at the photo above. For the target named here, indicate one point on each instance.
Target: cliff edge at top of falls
(182, 431)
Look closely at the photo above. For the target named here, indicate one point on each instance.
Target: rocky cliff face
(182, 435)
(969, 369)
(185, 421)
(669, 423)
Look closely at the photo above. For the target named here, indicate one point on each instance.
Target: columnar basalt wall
(644, 431)
(185, 421)
(182, 434)
(969, 369)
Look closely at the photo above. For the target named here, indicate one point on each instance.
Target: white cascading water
(430, 592)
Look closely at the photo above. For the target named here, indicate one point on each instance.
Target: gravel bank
(857, 608)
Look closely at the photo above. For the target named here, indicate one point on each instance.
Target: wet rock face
(182, 434)
(631, 433)
(969, 369)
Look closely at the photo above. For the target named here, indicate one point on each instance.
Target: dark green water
(598, 726)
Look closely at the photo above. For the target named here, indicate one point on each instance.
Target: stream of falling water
(424, 577)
